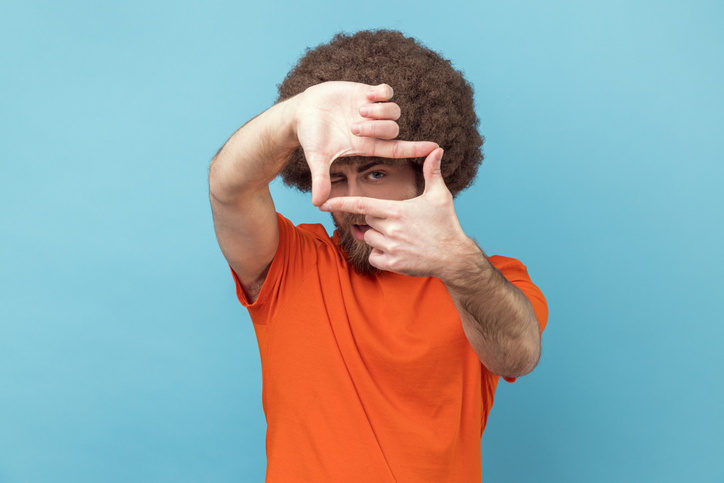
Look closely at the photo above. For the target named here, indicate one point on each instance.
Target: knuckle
(375, 145)
(361, 207)
(395, 149)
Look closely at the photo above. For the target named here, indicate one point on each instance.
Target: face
(371, 178)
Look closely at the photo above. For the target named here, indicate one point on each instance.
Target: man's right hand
(337, 119)
(327, 120)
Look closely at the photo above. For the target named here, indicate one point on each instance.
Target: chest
(403, 338)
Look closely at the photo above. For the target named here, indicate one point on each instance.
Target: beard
(356, 252)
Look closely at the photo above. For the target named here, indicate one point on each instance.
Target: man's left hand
(419, 237)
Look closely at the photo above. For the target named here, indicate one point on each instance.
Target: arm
(497, 318)
(328, 120)
(243, 211)
(422, 237)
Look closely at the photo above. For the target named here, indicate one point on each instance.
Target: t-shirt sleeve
(296, 255)
(517, 274)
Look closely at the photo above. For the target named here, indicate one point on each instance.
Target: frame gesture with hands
(337, 119)
(419, 236)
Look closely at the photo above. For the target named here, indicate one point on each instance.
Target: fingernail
(324, 207)
(439, 154)
(356, 128)
(371, 94)
(364, 111)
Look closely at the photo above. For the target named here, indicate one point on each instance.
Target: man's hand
(327, 120)
(419, 237)
(337, 119)
(422, 237)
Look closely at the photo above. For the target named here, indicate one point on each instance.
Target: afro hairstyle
(435, 99)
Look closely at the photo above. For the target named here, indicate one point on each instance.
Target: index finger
(403, 149)
(360, 205)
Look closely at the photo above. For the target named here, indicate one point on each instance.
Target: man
(382, 346)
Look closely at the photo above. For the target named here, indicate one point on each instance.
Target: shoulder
(512, 268)
(300, 249)
(314, 231)
(306, 239)
(500, 262)
(304, 245)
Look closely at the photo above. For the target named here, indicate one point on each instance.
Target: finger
(385, 110)
(376, 129)
(431, 170)
(378, 259)
(402, 149)
(321, 185)
(382, 226)
(360, 205)
(376, 223)
(381, 92)
(376, 240)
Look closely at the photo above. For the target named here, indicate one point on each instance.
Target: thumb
(431, 170)
(321, 185)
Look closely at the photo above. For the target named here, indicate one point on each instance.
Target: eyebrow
(367, 166)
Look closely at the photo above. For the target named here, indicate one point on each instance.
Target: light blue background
(124, 355)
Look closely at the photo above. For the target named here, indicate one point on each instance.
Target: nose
(354, 188)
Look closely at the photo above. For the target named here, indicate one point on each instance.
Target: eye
(374, 175)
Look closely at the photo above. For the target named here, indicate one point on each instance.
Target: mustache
(353, 219)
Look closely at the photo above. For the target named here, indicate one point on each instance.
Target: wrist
(286, 118)
(467, 267)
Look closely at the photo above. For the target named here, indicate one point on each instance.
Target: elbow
(522, 359)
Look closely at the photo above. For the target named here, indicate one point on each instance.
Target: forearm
(497, 318)
(254, 154)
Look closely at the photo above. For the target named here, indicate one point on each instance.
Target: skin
(410, 234)
(328, 120)
(421, 236)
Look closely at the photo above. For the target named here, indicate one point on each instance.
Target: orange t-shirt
(368, 379)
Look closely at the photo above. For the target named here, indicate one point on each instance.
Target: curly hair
(436, 100)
